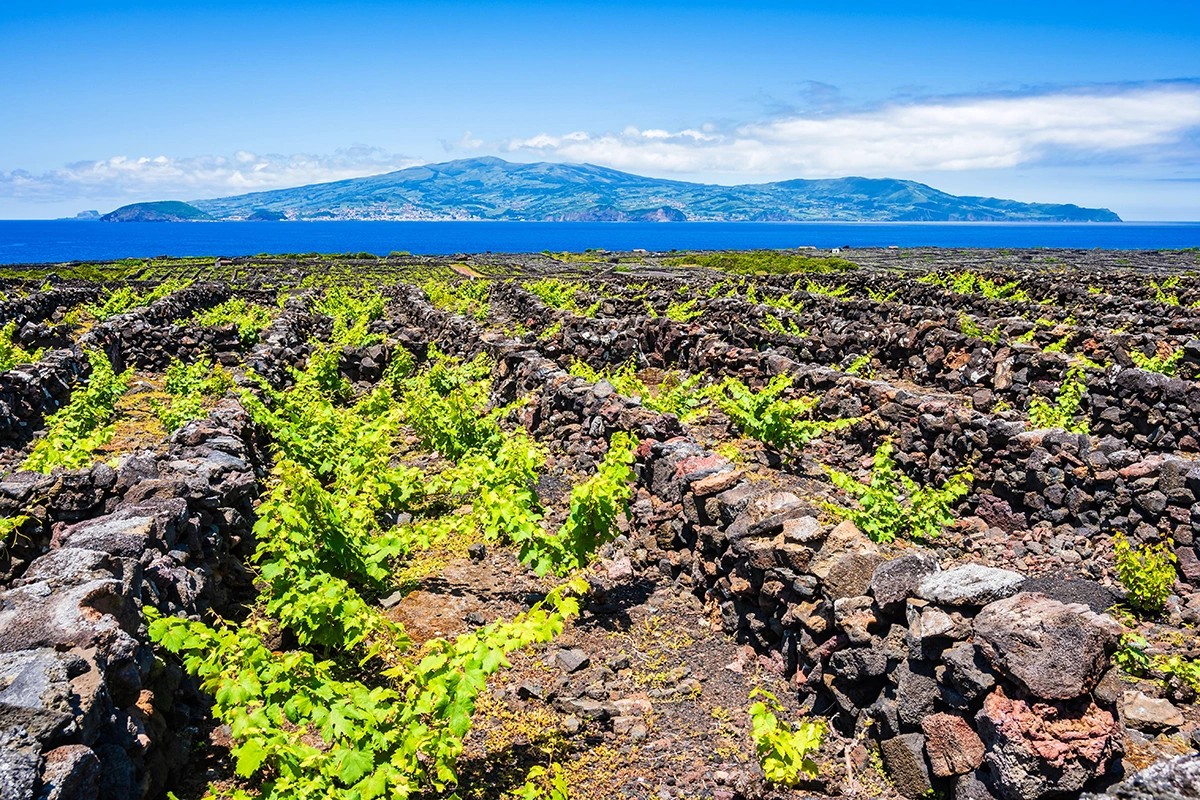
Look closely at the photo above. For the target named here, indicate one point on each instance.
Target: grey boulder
(969, 585)
(1175, 779)
(896, 580)
(18, 774)
(1053, 650)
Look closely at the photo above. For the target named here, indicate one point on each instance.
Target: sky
(1093, 103)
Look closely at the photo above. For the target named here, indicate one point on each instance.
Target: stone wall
(31, 392)
(83, 703)
(148, 338)
(1127, 476)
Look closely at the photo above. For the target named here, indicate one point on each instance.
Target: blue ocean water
(58, 241)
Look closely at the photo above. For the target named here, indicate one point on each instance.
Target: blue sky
(1094, 103)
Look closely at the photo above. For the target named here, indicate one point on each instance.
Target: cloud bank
(1152, 130)
(1126, 123)
(196, 177)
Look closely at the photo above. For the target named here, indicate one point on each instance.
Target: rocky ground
(1001, 659)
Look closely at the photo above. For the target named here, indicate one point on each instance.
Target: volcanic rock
(1053, 650)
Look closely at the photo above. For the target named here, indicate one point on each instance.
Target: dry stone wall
(85, 709)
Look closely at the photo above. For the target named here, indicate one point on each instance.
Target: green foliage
(1008, 291)
(12, 353)
(1059, 346)
(1132, 658)
(783, 751)
(544, 783)
(595, 505)
(400, 366)
(251, 319)
(969, 328)
(10, 529)
(1147, 573)
(468, 298)
(499, 486)
(785, 303)
(961, 282)
(891, 504)
(773, 324)
(764, 262)
(861, 366)
(879, 296)
(968, 282)
(683, 311)
(554, 293)
(1162, 364)
(318, 531)
(352, 311)
(764, 415)
(551, 331)
(812, 287)
(191, 390)
(1162, 296)
(1176, 666)
(305, 727)
(1065, 409)
(316, 734)
(127, 298)
(445, 402)
(74, 432)
(676, 394)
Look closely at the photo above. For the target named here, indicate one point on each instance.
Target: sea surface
(59, 241)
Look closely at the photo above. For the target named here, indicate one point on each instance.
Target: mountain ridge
(490, 188)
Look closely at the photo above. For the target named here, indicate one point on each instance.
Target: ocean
(59, 241)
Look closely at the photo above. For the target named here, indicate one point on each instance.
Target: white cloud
(1132, 123)
(195, 177)
(1148, 131)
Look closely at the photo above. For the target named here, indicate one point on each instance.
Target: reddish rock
(694, 464)
(1188, 564)
(71, 771)
(716, 483)
(1040, 748)
(1149, 467)
(952, 745)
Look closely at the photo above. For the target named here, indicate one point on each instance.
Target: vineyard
(560, 526)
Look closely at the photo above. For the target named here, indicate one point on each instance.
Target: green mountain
(494, 189)
(162, 211)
